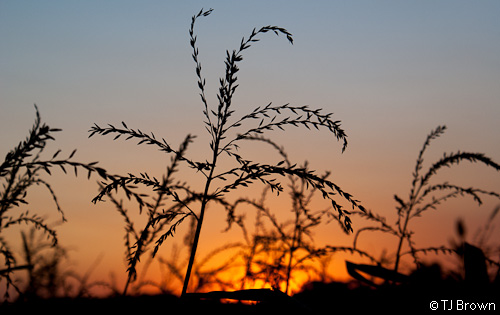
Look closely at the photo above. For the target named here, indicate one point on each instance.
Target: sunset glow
(390, 72)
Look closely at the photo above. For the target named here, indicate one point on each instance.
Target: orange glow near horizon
(112, 259)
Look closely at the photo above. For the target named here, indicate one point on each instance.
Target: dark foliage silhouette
(226, 135)
(423, 196)
(275, 249)
(20, 171)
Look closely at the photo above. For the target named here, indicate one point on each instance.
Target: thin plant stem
(204, 202)
(400, 244)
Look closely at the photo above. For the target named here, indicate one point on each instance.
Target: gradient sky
(391, 71)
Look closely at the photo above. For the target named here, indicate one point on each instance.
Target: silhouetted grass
(226, 131)
(275, 248)
(20, 171)
(424, 195)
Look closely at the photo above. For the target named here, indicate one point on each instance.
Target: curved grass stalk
(225, 133)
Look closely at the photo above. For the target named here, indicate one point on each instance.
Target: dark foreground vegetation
(427, 289)
(316, 298)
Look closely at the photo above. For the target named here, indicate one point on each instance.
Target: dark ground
(317, 298)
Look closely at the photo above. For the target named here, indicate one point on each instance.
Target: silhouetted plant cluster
(50, 275)
(21, 170)
(423, 196)
(226, 134)
(275, 249)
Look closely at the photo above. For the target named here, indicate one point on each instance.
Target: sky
(390, 71)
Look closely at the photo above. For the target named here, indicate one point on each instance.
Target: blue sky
(397, 60)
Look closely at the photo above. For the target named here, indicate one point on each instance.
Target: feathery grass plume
(226, 135)
(422, 190)
(21, 170)
(425, 195)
